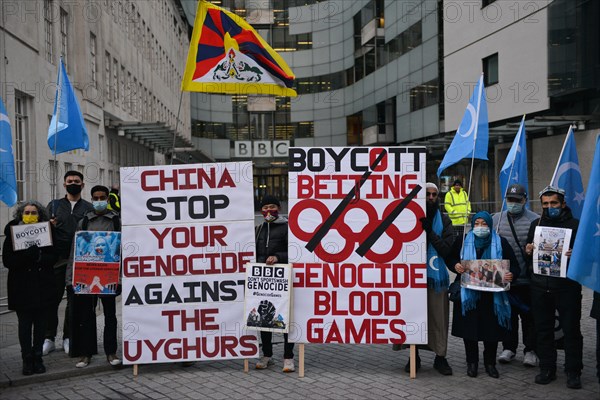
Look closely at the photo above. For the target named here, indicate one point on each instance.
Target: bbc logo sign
(261, 148)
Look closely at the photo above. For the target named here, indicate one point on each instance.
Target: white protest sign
(27, 235)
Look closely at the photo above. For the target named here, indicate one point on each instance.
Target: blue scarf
(469, 298)
(437, 274)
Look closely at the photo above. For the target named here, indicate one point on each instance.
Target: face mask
(481, 231)
(74, 189)
(30, 219)
(553, 212)
(514, 208)
(100, 205)
(270, 215)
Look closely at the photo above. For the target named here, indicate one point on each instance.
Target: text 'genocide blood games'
(357, 246)
(188, 230)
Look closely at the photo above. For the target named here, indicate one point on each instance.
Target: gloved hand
(33, 252)
(426, 224)
(119, 289)
(266, 310)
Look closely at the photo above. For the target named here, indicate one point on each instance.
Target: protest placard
(96, 262)
(188, 231)
(268, 290)
(359, 252)
(27, 235)
(549, 251)
(485, 275)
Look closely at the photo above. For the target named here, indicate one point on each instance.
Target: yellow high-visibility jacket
(458, 206)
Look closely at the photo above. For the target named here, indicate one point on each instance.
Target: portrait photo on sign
(96, 262)
(549, 251)
(485, 275)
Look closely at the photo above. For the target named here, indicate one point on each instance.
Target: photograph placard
(485, 275)
(96, 262)
(550, 246)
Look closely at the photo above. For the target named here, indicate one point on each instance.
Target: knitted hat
(269, 199)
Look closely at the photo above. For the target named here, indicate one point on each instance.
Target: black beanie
(268, 199)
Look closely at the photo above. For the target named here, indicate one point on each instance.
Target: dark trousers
(32, 321)
(84, 342)
(598, 349)
(52, 317)
(267, 345)
(489, 352)
(110, 324)
(568, 304)
(528, 328)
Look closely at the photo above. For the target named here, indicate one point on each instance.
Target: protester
(550, 293)
(65, 214)
(479, 315)
(513, 225)
(30, 286)
(458, 207)
(84, 340)
(271, 248)
(440, 237)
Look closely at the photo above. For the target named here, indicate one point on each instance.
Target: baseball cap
(551, 189)
(517, 191)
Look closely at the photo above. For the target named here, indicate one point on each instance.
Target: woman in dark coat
(479, 315)
(30, 286)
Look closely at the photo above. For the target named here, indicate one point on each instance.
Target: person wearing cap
(457, 206)
(272, 248)
(550, 293)
(513, 225)
(440, 238)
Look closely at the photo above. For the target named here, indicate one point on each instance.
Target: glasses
(432, 194)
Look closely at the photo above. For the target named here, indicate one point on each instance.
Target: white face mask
(481, 231)
(514, 208)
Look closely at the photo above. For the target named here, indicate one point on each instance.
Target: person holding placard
(481, 316)
(84, 338)
(30, 286)
(550, 293)
(271, 248)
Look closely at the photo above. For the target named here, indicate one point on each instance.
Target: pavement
(332, 371)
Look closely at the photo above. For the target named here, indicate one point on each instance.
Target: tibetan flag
(567, 175)
(67, 129)
(514, 169)
(8, 178)
(584, 266)
(472, 136)
(227, 56)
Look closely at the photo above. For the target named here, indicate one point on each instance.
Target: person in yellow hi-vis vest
(457, 206)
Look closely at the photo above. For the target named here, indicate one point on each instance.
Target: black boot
(38, 365)
(28, 364)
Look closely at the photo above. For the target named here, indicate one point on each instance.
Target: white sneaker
(264, 363)
(113, 360)
(48, 347)
(66, 345)
(83, 362)
(530, 359)
(288, 365)
(506, 356)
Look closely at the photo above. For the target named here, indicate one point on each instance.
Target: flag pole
(561, 154)
(55, 166)
(473, 156)
(512, 165)
(176, 126)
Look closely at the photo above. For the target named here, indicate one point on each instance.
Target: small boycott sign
(359, 249)
(267, 304)
(96, 262)
(27, 235)
(188, 232)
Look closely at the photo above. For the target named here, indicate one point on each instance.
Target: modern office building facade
(125, 60)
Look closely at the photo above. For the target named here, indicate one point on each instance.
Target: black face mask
(74, 189)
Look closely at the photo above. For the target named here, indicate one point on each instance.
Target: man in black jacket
(549, 293)
(272, 248)
(65, 213)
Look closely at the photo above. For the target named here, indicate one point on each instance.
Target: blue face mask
(100, 205)
(553, 212)
(481, 231)
(514, 208)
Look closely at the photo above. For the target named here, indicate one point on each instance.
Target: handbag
(454, 291)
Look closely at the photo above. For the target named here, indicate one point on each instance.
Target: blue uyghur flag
(70, 132)
(567, 175)
(8, 177)
(472, 134)
(584, 266)
(514, 169)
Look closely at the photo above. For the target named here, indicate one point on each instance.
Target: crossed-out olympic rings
(352, 238)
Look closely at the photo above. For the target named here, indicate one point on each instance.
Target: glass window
(93, 60)
(490, 70)
(64, 35)
(48, 31)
